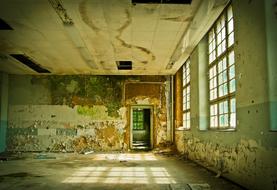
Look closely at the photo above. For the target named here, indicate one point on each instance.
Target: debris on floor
(183, 157)
(43, 156)
(203, 186)
(167, 149)
(6, 156)
(184, 186)
(89, 152)
(17, 175)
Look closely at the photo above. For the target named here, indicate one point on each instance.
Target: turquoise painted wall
(3, 110)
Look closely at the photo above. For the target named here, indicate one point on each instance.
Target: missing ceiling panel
(124, 65)
(4, 25)
(29, 63)
(161, 1)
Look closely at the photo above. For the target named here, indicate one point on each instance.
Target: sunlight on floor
(135, 157)
(125, 175)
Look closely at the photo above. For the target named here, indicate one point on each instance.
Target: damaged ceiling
(91, 36)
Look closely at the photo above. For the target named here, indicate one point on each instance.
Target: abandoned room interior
(138, 94)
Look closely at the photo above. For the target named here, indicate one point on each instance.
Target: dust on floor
(140, 170)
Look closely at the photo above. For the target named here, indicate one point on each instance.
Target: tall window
(186, 95)
(222, 72)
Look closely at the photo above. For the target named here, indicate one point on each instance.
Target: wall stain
(123, 43)
(85, 17)
(89, 22)
(181, 18)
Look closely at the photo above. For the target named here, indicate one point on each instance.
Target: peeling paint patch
(246, 158)
(156, 98)
(83, 113)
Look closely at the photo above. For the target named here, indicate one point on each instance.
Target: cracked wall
(71, 113)
(247, 155)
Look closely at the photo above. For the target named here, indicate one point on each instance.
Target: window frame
(214, 62)
(139, 121)
(186, 94)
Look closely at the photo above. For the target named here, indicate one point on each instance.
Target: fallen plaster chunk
(203, 186)
(43, 156)
(185, 186)
(89, 152)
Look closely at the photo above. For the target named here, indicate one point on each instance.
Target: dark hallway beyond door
(141, 128)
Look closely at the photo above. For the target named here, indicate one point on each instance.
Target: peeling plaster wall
(248, 155)
(153, 95)
(71, 113)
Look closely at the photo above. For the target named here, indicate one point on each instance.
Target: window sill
(182, 129)
(223, 130)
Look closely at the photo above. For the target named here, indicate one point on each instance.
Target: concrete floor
(107, 171)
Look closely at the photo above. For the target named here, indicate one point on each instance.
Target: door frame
(151, 107)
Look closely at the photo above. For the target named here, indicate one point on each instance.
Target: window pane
(226, 120)
(233, 120)
(220, 90)
(211, 84)
(223, 45)
(219, 50)
(223, 33)
(230, 26)
(233, 105)
(211, 35)
(215, 82)
(220, 78)
(231, 39)
(229, 13)
(216, 121)
(226, 107)
(221, 120)
(224, 76)
(225, 89)
(211, 110)
(213, 94)
(212, 124)
(232, 72)
(232, 86)
(231, 58)
(184, 119)
(221, 108)
(220, 66)
(224, 65)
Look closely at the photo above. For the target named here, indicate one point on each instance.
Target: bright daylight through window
(222, 84)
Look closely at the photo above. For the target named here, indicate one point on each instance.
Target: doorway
(141, 127)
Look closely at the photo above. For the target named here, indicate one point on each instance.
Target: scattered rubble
(168, 149)
(43, 156)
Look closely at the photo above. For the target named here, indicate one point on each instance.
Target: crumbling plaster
(78, 113)
(247, 155)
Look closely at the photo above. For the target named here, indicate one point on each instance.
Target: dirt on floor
(136, 170)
